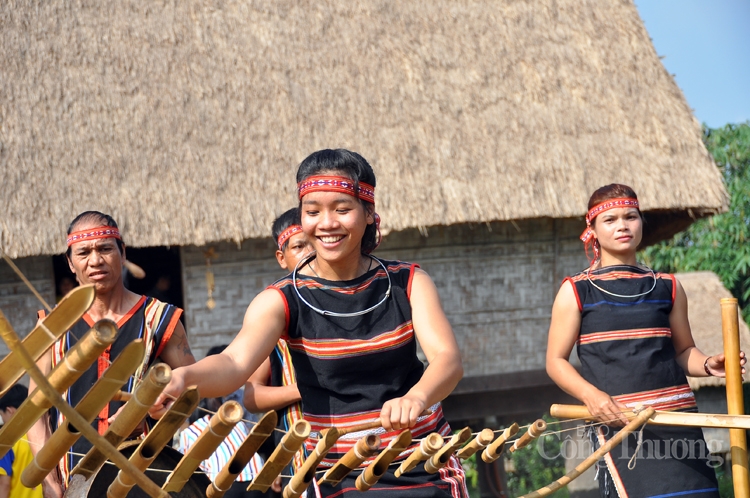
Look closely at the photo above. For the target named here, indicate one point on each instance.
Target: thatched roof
(704, 292)
(186, 120)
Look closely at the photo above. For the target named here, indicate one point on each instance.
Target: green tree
(721, 243)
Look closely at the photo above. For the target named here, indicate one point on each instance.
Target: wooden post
(379, 466)
(306, 473)
(735, 402)
(428, 447)
(365, 447)
(496, 448)
(281, 456)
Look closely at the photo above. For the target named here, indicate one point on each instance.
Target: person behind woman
(635, 347)
(351, 321)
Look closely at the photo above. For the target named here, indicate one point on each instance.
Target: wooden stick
(76, 362)
(366, 447)
(132, 414)
(220, 425)
(262, 430)
(14, 343)
(535, 430)
(306, 473)
(496, 448)
(91, 404)
(428, 447)
(281, 456)
(378, 468)
(440, 459)
(478, 443)
(594, 457)
(150, 447)
(122, 396)
(376, 424)
(735, 402)
(70, 309)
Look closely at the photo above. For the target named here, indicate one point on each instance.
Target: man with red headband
(95, 255)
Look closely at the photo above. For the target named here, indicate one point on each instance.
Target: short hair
(289, 218)
(95, 217)
(14, 397)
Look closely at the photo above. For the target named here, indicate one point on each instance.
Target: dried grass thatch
(704, 292)
(186, 120)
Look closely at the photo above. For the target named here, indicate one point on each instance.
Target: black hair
(14, 397)
(289, 218)
(95, 217)
(351, 165)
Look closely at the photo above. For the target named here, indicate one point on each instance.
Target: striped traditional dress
(625, 347)
(348, 367)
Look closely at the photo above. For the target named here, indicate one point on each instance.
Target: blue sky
(706, 45)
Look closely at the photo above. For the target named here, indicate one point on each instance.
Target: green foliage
(721, 243)
(726, 486)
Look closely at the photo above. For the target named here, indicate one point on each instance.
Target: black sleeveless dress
(348, 367)
(625, 347)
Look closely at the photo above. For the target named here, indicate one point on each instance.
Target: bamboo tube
(375, 424)
(735, 402)
(535, 430)
(68, 311)
(118, 373)
(379, 466)
(440, 459)
(427, 447)
(220, 425)
(365, 447)
(75, 363)
(132, 414)
(14, 343)
(281, 456)
(634, 424)
(122, 396)
(306, 473)
(495, 449)
(478, 443)
(262, 430)
(159, 437)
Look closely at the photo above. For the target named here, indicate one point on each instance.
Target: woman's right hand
(604, 408)
(173, 390)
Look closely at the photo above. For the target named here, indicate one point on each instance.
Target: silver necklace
(333, 313)
(653, 275)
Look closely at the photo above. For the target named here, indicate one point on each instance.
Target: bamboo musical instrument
(159, 436)
(118, 373)
(535, 430)
(440, 459)
(427, 447)
(14, 343)
(365, 447)
(76, 362)
(132, 414)
(306, 473)
(68, 311)
(735, 402)
(281, 456)
(683, 419)
(478, 443)
(259, 433)
(375, 424)
(634, 424)
(220, 425)
(496, 448)
(122, 396)
(379, 466)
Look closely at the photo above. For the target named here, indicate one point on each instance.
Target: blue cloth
(6, 463)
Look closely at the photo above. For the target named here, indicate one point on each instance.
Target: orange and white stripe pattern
(329, 349)
(666, 399)
(624, 335)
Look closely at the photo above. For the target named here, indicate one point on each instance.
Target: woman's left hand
(715, 364)
(401, 413)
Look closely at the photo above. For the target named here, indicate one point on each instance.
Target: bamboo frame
(427, 447)
(219, 427)
(478, 443)
(440, 459)
(150, 447)
(365, 447)
(118, 373)
(262, 430)
(76, 362)
(379, 466)
(496, 448)
(535, 430)
(306, 473)
(281, 456)
(68, 311)
(132, 414)
(735, 401)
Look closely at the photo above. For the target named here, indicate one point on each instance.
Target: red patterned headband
(287, 234)
(595, 211)
(336, 184)
(94, 233)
